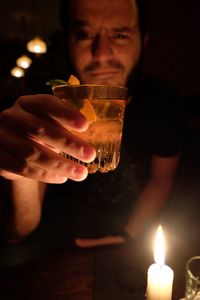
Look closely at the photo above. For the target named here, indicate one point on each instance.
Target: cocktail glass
(104, 107)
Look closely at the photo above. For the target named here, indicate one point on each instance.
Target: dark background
(174, 44)
(172, 51)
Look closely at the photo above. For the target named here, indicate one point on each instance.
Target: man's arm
(150, 202)
(154, 195)
(20, 207)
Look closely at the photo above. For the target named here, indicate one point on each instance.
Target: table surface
(87, 275)
(58, 276)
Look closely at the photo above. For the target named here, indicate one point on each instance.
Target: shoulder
(153, 91)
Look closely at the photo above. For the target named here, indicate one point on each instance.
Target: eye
(120, 36)
(83, 35)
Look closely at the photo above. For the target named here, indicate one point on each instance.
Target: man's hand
(107, 240)
(34, 132)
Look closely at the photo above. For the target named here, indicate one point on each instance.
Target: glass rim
(189, 272)
(92, 91)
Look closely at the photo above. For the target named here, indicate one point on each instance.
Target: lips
(103, 74)
(104, 77)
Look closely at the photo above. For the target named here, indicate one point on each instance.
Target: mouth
(103, 74)
(104, 77)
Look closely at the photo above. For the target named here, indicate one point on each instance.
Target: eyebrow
(120, 28)
(123, 29)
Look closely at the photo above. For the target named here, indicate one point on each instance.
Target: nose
(102, 48)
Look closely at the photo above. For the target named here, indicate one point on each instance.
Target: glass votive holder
(192, 287)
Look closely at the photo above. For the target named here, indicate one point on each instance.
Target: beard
(130, 80)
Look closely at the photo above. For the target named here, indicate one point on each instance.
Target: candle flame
(159, 247)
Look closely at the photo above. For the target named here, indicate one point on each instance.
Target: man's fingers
(51, 106)
(9, 175)
(49, 167)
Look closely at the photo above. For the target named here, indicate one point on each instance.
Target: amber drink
(104, 108)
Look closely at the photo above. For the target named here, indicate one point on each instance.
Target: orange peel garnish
(88, 111)
(84, 105)
(73, 80)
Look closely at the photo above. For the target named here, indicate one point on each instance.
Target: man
(105, 45)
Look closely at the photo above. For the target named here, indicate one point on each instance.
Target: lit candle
(160, 276)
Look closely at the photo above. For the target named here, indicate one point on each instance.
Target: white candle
(160, 276)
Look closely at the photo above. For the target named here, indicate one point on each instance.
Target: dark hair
(143, 16)
(142, 12)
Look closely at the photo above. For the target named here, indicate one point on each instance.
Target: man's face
(104, 40)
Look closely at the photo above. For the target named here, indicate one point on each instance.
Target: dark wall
(173, 50)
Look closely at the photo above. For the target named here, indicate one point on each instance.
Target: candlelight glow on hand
(160, 276)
